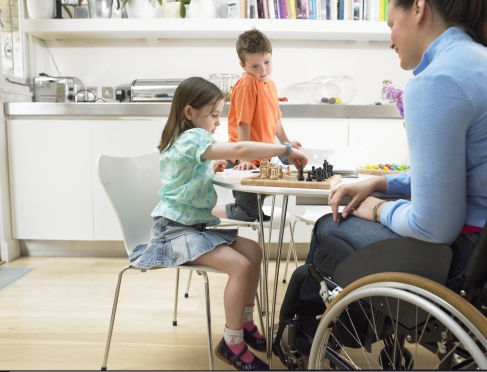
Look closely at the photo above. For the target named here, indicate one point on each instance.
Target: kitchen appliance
(153, 90)
(58, 89)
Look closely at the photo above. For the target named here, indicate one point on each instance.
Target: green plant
(124, 2)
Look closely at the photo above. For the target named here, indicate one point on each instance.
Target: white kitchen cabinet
(50, 179)
(317, 133)
(385, 140)
(117, 138)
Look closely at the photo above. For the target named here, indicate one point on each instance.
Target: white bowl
(333, 89)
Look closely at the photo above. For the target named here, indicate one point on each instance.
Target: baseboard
(75, 248)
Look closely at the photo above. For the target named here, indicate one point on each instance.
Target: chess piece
(280, 174)
(273, 174)
(331, 170)
(269, 170)
(319, 175)
(313, 172)
(309, 179)
(288, 171)
(301, 175)
(263, 171)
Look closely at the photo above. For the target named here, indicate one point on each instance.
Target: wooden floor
(57, 317)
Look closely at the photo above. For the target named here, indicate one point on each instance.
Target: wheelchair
(386, 307)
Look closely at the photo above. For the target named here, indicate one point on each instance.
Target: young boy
(254, 114)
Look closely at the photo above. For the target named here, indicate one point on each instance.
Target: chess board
(292, 182)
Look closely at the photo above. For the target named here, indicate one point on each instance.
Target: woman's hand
(297, 158)
(245, 165)
(357, 192)
(219, 165)
(365, 209)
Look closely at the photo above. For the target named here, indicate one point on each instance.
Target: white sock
(233, 337)
(248, 314)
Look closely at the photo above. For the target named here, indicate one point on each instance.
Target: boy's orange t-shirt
(256, 104)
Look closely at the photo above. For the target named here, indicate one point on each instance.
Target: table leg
(271, 313)
(265, 251)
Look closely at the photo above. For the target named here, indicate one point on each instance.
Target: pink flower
(395, 94)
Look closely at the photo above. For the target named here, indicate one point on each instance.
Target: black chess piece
(313, 173)
(309, 179)
(319, 175)
(331, 170)
(301, 175)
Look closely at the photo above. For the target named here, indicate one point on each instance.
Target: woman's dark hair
(469, 14)
(195, 92)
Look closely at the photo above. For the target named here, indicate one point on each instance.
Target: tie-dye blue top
(188, 195)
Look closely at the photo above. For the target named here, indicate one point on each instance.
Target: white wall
(116, 62)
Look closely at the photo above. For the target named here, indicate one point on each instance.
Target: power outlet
(106, 92)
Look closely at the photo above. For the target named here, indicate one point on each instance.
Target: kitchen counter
(116, 110)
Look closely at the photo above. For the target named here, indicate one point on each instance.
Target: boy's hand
(245, 165)
(219, 165)
(297, 158)
(296, 144)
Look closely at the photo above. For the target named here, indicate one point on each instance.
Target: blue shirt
(445, 111)
(188, 195)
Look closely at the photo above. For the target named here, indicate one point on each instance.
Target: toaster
(58, 89)
(153, 90)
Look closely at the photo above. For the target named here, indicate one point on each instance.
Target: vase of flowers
(393, 94)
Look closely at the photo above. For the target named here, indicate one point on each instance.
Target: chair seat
(267, 210)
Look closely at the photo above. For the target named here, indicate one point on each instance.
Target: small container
(333, 89)
(100, 8)
(225, 82)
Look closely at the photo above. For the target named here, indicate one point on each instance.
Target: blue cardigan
(445, 111)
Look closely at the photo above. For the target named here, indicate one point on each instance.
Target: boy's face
(258, 65)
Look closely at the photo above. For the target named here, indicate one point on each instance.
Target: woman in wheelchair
(363, 259)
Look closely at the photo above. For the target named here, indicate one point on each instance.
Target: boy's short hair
(251, 42)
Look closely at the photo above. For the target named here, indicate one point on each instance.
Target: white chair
(132, 184)
(346, 158)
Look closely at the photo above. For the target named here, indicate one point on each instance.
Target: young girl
(179, 234)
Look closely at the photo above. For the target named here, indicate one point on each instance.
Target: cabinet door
(317, 133)
(50, 179)
(385, 140)
(118, 138)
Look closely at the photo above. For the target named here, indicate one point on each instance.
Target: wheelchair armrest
(408, 255)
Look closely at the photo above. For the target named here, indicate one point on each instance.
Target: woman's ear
(188, 112)
(419, 6)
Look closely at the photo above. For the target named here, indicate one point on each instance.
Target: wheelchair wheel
(399, 321)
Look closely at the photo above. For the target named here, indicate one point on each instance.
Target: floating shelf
(194, 28)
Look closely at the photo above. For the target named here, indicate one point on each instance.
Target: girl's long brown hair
(195, 92)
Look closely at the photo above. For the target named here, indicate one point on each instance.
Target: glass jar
(225, 82)
(333, 89)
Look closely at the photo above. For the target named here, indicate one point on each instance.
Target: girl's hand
(357, 192)
(245, 165)
(297, 158)
(296, 144)
(219, 165)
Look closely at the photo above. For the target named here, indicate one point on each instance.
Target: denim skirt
(172, 243)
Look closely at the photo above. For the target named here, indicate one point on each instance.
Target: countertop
(155, 110)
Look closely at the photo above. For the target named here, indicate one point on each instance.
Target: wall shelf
(193, 28)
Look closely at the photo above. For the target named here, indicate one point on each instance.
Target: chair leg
(289, 251)
(175, 320)
(112, 319)
(262, 310)
(208, 318)
(257, 301)
(187, 286)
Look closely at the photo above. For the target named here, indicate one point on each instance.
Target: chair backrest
(341, 158)
(131, 184)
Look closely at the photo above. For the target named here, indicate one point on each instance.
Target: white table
(230, 179)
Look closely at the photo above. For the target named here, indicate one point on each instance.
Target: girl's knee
(242, 268)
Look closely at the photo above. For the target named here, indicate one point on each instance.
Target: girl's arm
(282, 137)
(249, 150)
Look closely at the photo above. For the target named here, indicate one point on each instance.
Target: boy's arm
(282, 137)
(244, 135)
